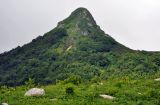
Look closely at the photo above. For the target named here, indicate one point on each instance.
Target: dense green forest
(76, 47)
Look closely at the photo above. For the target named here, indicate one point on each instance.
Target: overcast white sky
(134, 23)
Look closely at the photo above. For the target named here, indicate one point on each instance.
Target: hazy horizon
(133, 23)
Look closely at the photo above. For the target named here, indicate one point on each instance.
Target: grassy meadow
(126, 90)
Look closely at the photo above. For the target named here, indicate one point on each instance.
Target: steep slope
(77, 46)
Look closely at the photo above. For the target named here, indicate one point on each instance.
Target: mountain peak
(83, 13)
(77, 45)
(80, 20)
(80, 10)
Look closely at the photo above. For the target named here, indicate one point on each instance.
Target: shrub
(95, 79)
(75, 79)
(69, 89)
(30, 83)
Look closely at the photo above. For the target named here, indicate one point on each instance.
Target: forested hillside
(78, 48)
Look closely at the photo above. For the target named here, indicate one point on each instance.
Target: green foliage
(30, 83)
(86, 61)
(92, 55)
(95, 79)
(69, 89)
(74, 79)
(126, 90)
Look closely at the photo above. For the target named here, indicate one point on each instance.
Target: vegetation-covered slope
(77, 46)
(127, 91)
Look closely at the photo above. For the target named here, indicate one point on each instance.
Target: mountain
(77, 47)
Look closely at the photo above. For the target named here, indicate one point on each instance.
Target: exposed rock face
(158, 79)
(69, 48)
(4, 104)
(81, 21)
(55, 99)
(35, 92)
(107, 97)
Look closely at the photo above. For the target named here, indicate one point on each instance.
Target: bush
(30, 83)
(75, 79)
(95, 79)
(69, 89)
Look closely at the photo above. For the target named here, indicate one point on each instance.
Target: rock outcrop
(35, 92)
(107, 97)
(158, 79)
(4, 103)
